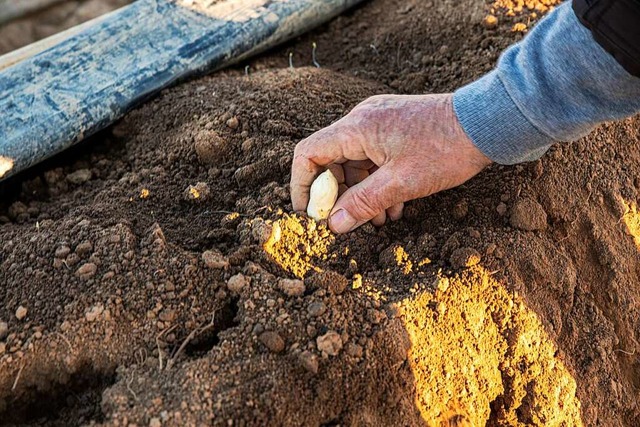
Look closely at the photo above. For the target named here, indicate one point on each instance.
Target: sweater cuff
(496, 125)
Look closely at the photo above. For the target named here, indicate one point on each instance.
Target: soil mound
(155, 275)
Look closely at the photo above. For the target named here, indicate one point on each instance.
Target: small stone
(198, 193)
(490, 21)
(21, 313)
(84, 248)
(316, 309)
(155, 422)
(333, 282)
(3, 348)
(354, 350)
(248, 145)
(330, 343)
(272, 340)
(528, 215)
(441, 284)
(237, 283)
(214, 259)
(210, 147)
(464, 257)
(167, 315)
(62, 252)
(376, 316)
(502, 209)
(233, 123)
(87, 270)
(461, 209)
(292, 287)
(4, 330)
(262, 232)
(309, 361)
(93, 314)
(79, 177)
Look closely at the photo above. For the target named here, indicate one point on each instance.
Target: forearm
(555, 85)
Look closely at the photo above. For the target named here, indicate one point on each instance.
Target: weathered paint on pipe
(59, 97)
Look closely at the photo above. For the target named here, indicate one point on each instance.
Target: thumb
(363, 201)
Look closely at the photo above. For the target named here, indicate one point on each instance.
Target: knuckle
(366, 204)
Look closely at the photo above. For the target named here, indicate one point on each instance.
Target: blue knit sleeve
(555, 85)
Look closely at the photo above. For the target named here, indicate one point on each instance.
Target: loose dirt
(155, 275)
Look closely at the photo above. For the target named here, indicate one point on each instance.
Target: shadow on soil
(76, 401)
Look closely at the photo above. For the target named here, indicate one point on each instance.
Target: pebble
(209, 146)
(292, 287)
(464, 257)
(87, 270)
(237, 283)
(167, 315)
(354, 350)
(79, 177)
(316, 309)
(490, 21)
(62, 252)
(95, 311)
(197, 193)
(233, 123)
(330, 343)
(84, 248)
(155, 422)
(461, 209)
(272, 340)
(376, 316)
(262, 232)
(214, 259)
(528, 215)
(309, 361)
(4, 330)
(501, 209)
(441, 284)
(21, 313)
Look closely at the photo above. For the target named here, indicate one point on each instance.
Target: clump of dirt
(143, 304)
(294, 242)
(485, 356)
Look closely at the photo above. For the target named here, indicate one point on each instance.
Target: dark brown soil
(150, 260)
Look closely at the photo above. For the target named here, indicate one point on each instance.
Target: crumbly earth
(143, 272)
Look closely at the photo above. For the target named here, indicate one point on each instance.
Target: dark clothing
(615, 25)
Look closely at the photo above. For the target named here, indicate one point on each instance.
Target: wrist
(494, 123)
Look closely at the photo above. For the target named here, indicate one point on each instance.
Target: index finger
(334, 144)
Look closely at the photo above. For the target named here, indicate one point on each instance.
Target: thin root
(15, 383)
(189, 338)
(164, 331)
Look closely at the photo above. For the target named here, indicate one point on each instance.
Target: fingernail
(342, 222)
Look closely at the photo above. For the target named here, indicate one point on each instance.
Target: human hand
(390, 149)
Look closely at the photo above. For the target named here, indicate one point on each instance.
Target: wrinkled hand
(389, 150)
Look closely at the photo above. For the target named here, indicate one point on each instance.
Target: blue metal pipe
(59, 97)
